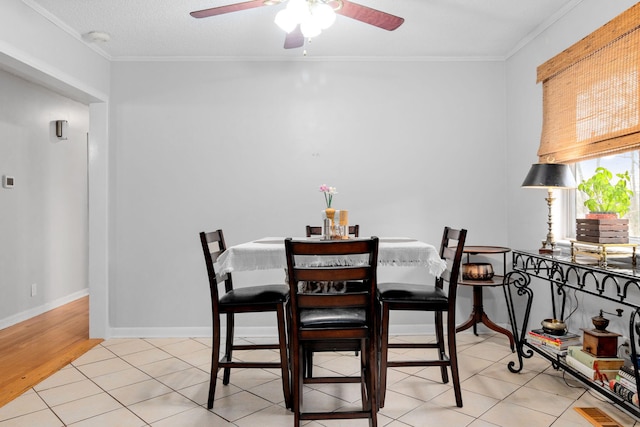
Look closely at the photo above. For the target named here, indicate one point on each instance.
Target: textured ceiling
(432, 28)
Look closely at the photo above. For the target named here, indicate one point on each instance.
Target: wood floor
(32, 350)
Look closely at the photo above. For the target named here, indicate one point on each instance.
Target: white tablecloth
(268, 253)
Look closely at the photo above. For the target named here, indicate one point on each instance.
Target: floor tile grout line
(534, 372)
(109, 394)
(112, 396)
(51, 408)
(48, 407)
(173, 390)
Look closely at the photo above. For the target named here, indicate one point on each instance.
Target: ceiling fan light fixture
(323, 14)
(313, 16)
(286, 20)
(310, 28)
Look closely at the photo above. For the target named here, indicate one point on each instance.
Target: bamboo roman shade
(591, 94)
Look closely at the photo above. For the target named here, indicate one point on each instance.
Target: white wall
(34, 48)
(244, 146)
(527, 209)
(43, 219)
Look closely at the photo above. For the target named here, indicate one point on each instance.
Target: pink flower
(328, 193)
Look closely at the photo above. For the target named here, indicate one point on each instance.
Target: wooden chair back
(451, 251)
(213, 245)
(326, 261)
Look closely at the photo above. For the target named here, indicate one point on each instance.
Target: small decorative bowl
(554, 326)
(477, 271)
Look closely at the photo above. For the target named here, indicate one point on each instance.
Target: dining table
(268, 253)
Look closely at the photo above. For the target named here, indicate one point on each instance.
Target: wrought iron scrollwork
(612, 284)
(564, 274)
(634, 327)
(518, 283)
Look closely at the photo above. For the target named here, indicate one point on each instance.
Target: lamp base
(549, 247)
(550, 251)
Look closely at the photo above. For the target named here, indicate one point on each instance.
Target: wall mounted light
(62, 129)
(8, 181)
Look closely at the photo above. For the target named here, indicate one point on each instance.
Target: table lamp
(549, 176)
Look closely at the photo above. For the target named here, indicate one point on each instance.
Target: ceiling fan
(299, 28)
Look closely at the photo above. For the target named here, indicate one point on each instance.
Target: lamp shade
(549, 175)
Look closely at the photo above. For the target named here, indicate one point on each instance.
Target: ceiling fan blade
(294, 39)
(204, 13)
(368, 15)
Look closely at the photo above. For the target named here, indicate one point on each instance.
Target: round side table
(478, 314)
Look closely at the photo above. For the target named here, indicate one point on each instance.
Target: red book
(569, 336)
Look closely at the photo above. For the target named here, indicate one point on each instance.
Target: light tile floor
(164, 382)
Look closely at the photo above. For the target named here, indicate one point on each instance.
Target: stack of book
(595, 368)
(627, 377)
(555, 344)
(624, 384)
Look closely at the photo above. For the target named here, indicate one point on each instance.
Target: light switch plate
(7, 181)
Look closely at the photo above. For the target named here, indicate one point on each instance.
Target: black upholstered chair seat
(256, 295)
(333, 318)
(413, 293)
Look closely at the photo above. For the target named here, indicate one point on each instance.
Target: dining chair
(247, 299)
(313, 230)
(354, 230)
(334, 321)
(438, 298)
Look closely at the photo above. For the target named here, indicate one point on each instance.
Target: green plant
(603, 196)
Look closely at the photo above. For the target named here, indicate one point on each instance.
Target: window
(591, 94)
(591, 109)
(619, 163)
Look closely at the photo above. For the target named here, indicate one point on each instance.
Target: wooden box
(600, 343)
(615, 230)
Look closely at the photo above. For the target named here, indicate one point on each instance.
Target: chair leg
(297, 379)
(215, 354)
(384, 349)
(441, 350)
(365, 386)
(372, 366)
(308, 363)
(228, 352)
(287, 312)
(453, 359)
(284, 356)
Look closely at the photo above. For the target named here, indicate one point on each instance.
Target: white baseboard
(35, 311)
(198, 332)
(188, 332)
(204, 331)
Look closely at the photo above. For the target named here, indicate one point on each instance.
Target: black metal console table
(619, 282)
